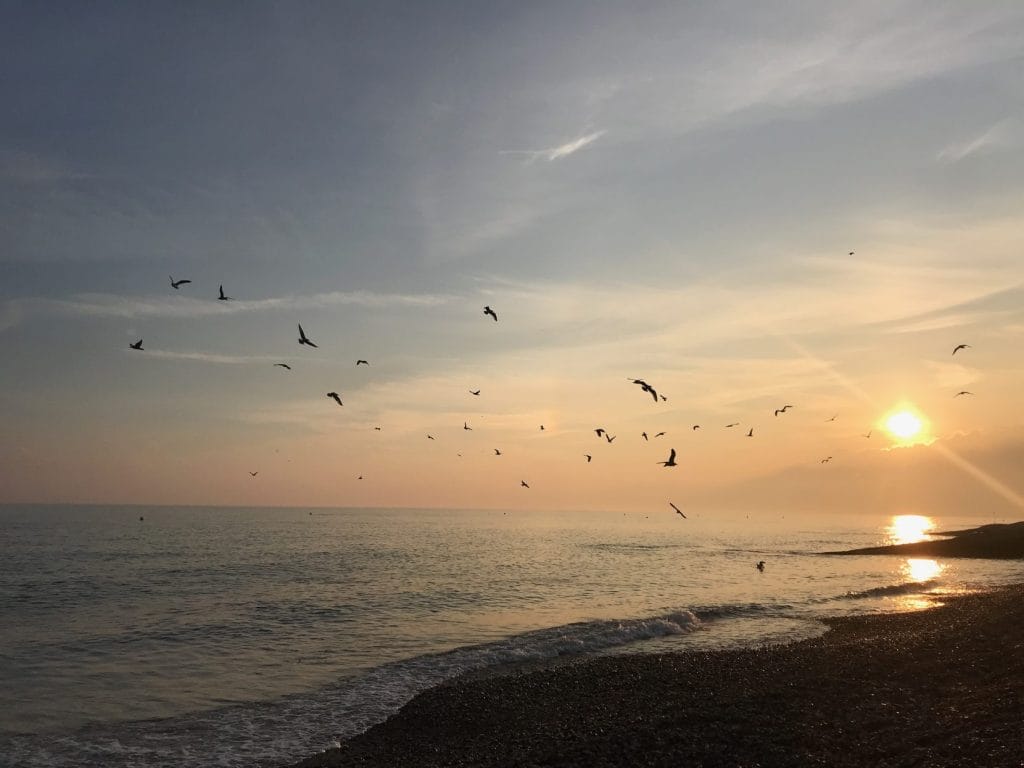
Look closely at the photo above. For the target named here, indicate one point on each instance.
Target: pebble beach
(939, 687)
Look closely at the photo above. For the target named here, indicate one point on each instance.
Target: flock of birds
(601, 432)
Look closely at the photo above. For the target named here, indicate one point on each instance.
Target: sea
(187, 636)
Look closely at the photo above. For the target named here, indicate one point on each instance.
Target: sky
(746, 205)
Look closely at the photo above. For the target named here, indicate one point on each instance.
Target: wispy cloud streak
(206, 357)
(557, 153)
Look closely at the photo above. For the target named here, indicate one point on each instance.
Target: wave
(903, 588)
(279, 731)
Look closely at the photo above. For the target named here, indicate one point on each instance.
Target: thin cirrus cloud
(994, 137)
(557, 153)
(206, 357)
(106, 305)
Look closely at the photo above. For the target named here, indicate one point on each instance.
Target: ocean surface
(160, 636)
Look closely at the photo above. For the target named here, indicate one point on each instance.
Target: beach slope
(937, 687)
(999, 540)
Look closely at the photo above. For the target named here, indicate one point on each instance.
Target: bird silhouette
(646, 388)
(541, 427)
(359, 478)
(223, 296)
(751, 432)
(497, 452)
(492, 313)
(643, 435)
(870, 431)
(760, 563)
(282, 365)
(523, 483)
(833, 418)
(336, 397)
(599, 432)
(377, 428)
(678, 511)
(466, 427)
(430, 437)
(303, 339)
(589, 457)
(963, 392)
(671, 461)
(137, 345)
(826, 460)
(783, 409)
(663, 398)
(958, 347)
(475, 392)
(734, 424)
(660, 434)
(254, 473)
(696, 426)
(361, 362)
(176, 284)
(609, 438)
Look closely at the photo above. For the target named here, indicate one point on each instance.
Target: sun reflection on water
(908, 529)
(919, 569)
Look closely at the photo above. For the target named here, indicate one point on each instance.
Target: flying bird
(491, 312)
(663, 398)
(430, 437)
(475, 392)
(783, 409)
(678, 510)
(523, 483)
(671, 461)
(589, 457)
(696, 426)
(223, 296)
(303, 339)
(377, 428)
(734, 424)
(660, 434)
(760, 563)
(359, 478)
(826, 460)
(254, 473)
(646, 388)
(958, 347)
(361, 362)
(282, 365)
(869, 433)
(497, 452)
(466, 427)
(336, 397)
(541, 427)
(963, 392)
(137, 345)
(751, 432)
(609, 438)
(833, 418)
(643, 435)
(599, 431)
(176, 284)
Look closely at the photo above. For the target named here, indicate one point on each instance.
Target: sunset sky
(670, 192)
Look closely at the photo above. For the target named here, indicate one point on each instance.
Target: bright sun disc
(903, 425)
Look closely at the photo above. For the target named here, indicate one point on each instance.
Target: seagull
(696, 426)
(282, 365)
(303, 339)
(734, 424)
(137, 345)
(760, 565)
(497, 452)
(377, 428)
(869, 433)
(660, 434)
(491, 312)
(751, 432)
(175, 284)
(599, 431)
(663, 398)
(783, 409)
(222, 296)
(646, 388)
(826, 460)
(643, 435)
(523, 483)
(361, 362)
(589, 457)
(359, 478)
(541, 427)
(254, 473)
(475, 392)
(833, 418)
(336, 397)
(963, 392)
(609, 438)
(466, 427)
(671, 461)
(678, 511)
(958, 347)
(430, 437)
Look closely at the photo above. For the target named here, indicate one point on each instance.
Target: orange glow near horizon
(909, 529)
(907, 426)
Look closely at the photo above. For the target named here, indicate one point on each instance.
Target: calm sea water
(136, 636)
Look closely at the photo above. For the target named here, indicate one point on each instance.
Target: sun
(907, 426)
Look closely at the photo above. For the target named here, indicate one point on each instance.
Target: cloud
(206, 357)
(996, 136)
(107, 305)
(557, 153)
